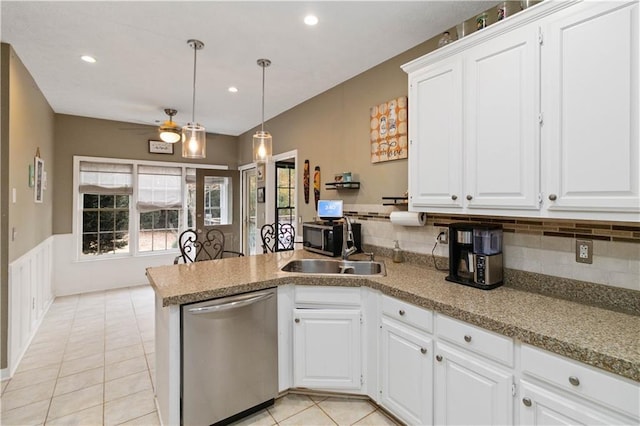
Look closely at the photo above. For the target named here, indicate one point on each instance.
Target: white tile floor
(92, 363)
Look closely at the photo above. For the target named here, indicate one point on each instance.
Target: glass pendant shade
(194, 141)
(262, 147)
(170, 132)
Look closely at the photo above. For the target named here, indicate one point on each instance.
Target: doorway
(249, 211)
(215, 192)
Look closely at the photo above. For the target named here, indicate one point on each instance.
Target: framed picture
(261, 195)
(38, 165)
(260, 172)
(160, 147)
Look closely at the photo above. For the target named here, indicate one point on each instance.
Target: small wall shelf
(342, 185)
(395, 201)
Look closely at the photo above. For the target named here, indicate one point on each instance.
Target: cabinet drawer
(327, 295)
(582, 380)
(492, 345)
(407, 313)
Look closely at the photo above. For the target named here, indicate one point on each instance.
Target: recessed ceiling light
(311, 20)
(233, 89)
(89, 59)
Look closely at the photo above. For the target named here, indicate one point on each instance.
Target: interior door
(249, 198)
(218, 204)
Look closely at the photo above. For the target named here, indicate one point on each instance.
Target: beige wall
(331, 130)
(29, 126)
(113, 139)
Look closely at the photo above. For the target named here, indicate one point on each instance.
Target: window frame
(134, 216)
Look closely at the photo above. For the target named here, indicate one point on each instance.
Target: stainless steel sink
(335, 267)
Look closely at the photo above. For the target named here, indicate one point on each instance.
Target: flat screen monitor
(330, 209)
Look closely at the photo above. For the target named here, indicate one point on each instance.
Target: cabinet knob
(423, 350)
(454, 197)
(526, 401)
(467, 338)
(297, 320)
(469, 197)
(439, 358)
(553, 197)
(401, 312)
(574, 381)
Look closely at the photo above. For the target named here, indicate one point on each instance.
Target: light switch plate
(584, 251)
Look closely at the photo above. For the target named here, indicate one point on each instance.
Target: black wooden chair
(211, 247)
(277, 237)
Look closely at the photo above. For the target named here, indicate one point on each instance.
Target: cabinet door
(406, 362)
(540, 406)
(326, 348)
(468, 390)
(502, 134)
(590, 104)
(435, 134)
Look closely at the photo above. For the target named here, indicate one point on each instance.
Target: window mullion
(134, 216)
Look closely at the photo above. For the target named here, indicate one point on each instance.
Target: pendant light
(170, 132)
(262, 146)
(194, 136)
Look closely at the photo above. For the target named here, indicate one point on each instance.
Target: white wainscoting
(71, 276)
(30, 295)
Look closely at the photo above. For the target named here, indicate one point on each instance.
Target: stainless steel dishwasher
(229, 357)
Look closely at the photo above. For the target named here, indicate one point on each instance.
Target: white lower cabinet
(406, 360)
(545, 406)
(469, 390)
(327, 349)
(557, 390)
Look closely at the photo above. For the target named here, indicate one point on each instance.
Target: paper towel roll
(408, 218)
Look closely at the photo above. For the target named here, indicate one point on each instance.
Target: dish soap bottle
(397, 253)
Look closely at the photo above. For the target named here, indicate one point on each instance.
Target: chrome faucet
(347, 237)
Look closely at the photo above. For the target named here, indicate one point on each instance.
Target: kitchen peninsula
(525, 322)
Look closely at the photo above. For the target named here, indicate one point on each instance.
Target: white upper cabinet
(501, 126)
(435, 129)
(534, 116)
(590, 133)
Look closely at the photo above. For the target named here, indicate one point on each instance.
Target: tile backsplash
(542, 246)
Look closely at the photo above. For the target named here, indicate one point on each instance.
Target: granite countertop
(599, 337)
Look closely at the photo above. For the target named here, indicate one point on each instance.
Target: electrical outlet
(584, 251)
(443, 236)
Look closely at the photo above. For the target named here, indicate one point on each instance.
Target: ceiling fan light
(170, 132)
(194, 141)
(262, 146)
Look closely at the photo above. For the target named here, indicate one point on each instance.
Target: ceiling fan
(169, 131)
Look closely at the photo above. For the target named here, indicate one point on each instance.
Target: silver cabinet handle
(574, 381)
(526, 401)
(423, 350)
(467, 338)
(401, 312)
(469, 197)
(439, 358)
(454, 197)
(553, 197)
(297, 320)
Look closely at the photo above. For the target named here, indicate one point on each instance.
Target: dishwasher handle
(227, 304)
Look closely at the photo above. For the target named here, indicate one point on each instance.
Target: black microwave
(326, 237)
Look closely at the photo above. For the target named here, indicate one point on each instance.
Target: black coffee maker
(475, 255)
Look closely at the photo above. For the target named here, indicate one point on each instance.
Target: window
(105, 191)
(130, 207)
(286, 188)
(159, 207)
